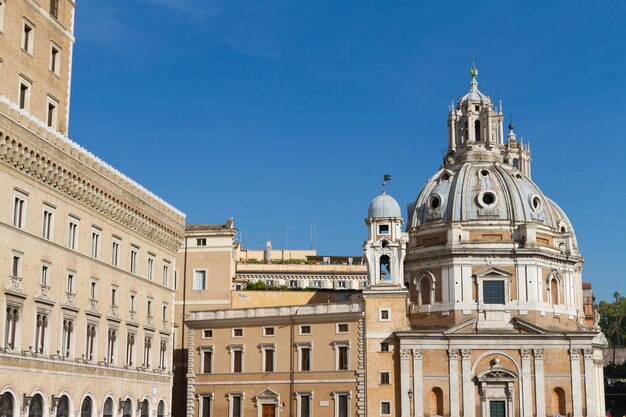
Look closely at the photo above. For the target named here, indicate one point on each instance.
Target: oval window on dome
(536, 203)
(484, 173)
(488, 198)
(435, 202)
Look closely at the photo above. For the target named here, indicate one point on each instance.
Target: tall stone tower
(385, 246)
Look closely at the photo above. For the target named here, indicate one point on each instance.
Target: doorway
(269, 410)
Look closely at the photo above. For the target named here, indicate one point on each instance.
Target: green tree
(613, 320)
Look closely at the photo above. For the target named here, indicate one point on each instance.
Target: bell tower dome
(385, 246)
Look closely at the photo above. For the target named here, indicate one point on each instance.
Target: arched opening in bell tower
(477, 131)
(385, 268)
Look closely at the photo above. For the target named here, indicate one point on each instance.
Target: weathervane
(386, 178)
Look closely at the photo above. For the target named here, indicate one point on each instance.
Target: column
(590, 389)
(599, 367)
(453, 362)
(527, 395)
(469, 408)
(404, 382)
(540, 385)
(576, 390)
(418, 383)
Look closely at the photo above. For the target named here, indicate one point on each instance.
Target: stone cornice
(53, 160)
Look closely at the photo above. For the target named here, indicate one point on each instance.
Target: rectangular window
(147, 352)
(199, 280)
(207, 333)
(385, 378)
(305, 405)
(175, 279)
(238, 361)
(317, 284)
(132, 302)
(201, 242)
(133, 260)
(115, 252)
(383, 229)
(385, 408)
(268, 331)
(113, 296)
(130, 349)
(342, 405)
(493, 292)
(44, 274)
(95, 243)
(342, 328)
(150, 269)
(342, 361)
(41, 332)
(92, 291)
(384, 347)
(28, 34)
(163, 355)
(166, 273)
(47, 223)
(305, 329)
(19, 210)
(51, 119)
(72, 237)
(164, 313)
(54, 8)
(293, 283)
(111, 338)
(11, 326)
(207, 361)
(268, 359)
(24, 94)
(66, 339)
(385, 314)
(15, 269)
(206, 406)
(342, 284)
(236, 406)
(55, 54)
(149, 308)
(70, 284)
(91, 341)
(238, 332)
(305, 358)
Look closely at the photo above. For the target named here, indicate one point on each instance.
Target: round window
(435, 202)
(484, 172)
(488, 198)
(384, 244)
(536, 203)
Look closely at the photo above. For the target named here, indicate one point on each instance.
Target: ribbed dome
(384, 206)
(485, 191)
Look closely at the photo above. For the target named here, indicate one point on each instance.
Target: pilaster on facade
(405, 401)
(418, 383)
(453, 365)
(191, 374)
(540, 385)
(468, 383)
(527, 396)
(590, 382)
(577, 405)
(361, 396)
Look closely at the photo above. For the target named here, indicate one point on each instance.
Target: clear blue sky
(282, 113)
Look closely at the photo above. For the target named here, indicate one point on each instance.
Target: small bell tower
(385, 247)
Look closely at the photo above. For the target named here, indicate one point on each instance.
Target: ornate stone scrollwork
(405, 354)
(538, 354)
(574, 354)
(417, 353)
(526, 353)
(453, 353)
(466, 353)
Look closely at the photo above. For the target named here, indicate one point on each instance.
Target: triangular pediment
(497, 272)
(527, 327)
(267, 393)
(465, 327)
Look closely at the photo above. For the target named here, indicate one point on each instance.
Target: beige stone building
(87, 254)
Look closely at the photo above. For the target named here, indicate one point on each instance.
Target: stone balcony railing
(132, 316)
(44, 291)
(165, 326)
(312, 309)
(114, 312)
(93, 306)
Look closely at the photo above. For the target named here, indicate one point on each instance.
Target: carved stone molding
(538, 354)
(466, 353)
(526, 353)
(405, 354)
(417, 354)
(76, 184)
(453, 353)
(588, 353)
(574, 354)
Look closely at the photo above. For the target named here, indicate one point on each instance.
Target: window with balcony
(163, 355)
(91, 341)
(66, 337)
(111, 341)
(130, 349)
(147, 352)
(11, 326)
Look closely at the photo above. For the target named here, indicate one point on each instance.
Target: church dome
(476, 191)
(384, 206)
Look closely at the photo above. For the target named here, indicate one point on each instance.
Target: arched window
(85, 409)
(385, 268)
(477, 131)
(161, 409)
(424, 289)
(558, 401)
(145, 408)
(127, 408)
(436, 402)
(108, 408)
(6, 405)
(516, 163)
(35, 408)
(63, 407)
(554, 291)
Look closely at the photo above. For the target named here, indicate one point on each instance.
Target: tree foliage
(613, 320)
